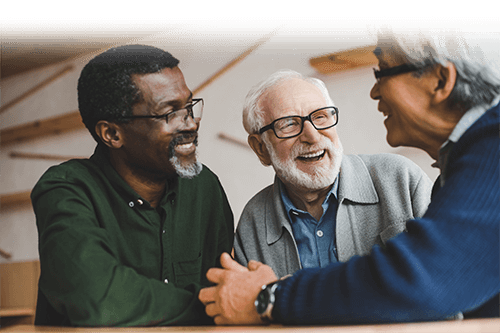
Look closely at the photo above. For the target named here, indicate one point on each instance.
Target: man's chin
(186, 169)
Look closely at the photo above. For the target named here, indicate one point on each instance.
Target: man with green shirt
(127, 236)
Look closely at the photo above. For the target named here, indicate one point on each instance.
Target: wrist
(264, 304)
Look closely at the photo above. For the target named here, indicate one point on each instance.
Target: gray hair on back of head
(253, 115)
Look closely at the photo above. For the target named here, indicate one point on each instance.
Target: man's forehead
(165, 86)
(289, 94)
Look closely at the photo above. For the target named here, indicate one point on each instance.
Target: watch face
(262, 301)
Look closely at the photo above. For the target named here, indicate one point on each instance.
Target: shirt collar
(289, 206)
(467, 120)
(101, 159)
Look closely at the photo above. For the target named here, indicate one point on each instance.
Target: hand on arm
(231, 300)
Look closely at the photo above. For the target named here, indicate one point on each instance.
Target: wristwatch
(265, 301)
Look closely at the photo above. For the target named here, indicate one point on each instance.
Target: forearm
(446, 263)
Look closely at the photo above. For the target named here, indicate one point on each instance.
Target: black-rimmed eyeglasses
(179, 117)
(396, 70)
(291, 126)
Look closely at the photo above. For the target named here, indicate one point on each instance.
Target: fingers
(254, 265)
(227, 262)
(207, 295)
(215, 275)
(212, 310)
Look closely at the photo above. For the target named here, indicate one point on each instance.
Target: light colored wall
(360, 128)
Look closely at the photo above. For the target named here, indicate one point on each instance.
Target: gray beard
(189, 170)
(322, 177)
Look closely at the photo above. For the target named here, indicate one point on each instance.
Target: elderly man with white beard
(323, 207)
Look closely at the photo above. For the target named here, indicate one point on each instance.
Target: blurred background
(224, 49)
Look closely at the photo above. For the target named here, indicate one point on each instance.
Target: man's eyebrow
(164, 104)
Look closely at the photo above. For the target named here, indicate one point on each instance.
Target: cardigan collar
(355, 184)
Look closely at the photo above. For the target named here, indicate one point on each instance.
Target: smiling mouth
(385, 113)
(183, 145)
(312, 157)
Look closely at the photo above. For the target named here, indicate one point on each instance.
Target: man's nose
(189, 124)
(309, 133)
(375, 93)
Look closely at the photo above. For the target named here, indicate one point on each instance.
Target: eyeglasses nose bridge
(308, 117)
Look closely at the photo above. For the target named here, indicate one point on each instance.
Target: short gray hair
(475, 58)
(253, 115)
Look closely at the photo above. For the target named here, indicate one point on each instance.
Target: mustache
(183, 137)
(180, 138)
(302, 148)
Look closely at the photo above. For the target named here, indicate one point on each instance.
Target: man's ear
(110, 133)
(257, 144)
(446, 77)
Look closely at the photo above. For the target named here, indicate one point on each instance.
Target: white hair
(475, 56)
(253, 115)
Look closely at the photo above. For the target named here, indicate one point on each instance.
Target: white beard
(322, 177)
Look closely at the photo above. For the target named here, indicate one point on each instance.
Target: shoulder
(255, 209)
(384, 164)
(70, 171)
(258, 201)
(386, 171)
(205, 178)
(387, 160)
(73, 173)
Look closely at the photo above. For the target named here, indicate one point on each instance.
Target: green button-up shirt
(110, 259)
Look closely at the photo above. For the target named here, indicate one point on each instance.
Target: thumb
(227, 262)
(254, 265)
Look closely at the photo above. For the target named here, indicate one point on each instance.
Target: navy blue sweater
(447, 262)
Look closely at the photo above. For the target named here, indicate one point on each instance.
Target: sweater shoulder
(390, 164)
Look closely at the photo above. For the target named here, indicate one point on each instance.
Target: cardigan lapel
(276, 217)
(355, 185)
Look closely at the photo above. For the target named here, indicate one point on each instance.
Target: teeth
(185, 146)
(313, 155)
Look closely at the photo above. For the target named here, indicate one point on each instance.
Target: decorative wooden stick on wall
(39, 128)
(14, 199)
(36, 156)
(5, 254)
(233, 139)
(348, 59)
(233, 62)
(39, 86)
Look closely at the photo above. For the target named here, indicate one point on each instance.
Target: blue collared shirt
(315, 239)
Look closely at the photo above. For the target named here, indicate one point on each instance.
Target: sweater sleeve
(447, 262)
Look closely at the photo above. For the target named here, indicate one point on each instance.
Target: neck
(444, 123)
(307, 200)
(148, 186)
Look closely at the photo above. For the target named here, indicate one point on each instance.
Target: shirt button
(140, 202)
(164, 231)
(295, 213)
(166, 281)
(319, 233)
(131, 204)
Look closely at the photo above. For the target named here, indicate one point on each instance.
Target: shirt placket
(167, 239)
